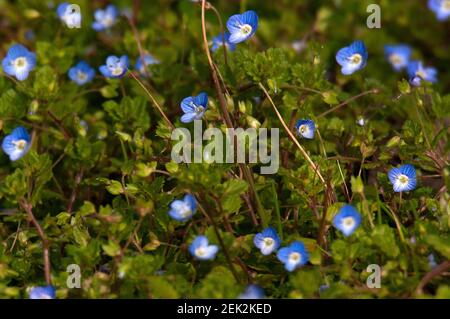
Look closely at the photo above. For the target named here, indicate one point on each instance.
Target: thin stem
(226, 116)
(222, 30)
(221, 242)
(28, 208)
(153, 100)
(373, 91)
(294, 139)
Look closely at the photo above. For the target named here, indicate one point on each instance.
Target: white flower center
(246, 29)
(348, 222)
(200, 251)
(395, 59)
(446, 5)
(108, 21)
(268, 241)
(294, 257)
(185, 210)
(20, 144)
(20, 63)
(117, 71)
(403, 179)
(356, 58)
(81, 76)
(303, 129)
(422, 74)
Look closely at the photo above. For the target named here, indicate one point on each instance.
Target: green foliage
(99, 177)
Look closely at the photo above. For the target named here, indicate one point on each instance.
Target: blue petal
(201, 99)
(188, 117)
(343, 54)
(283, 254)
(105, 71)
(258, 240)
(186, 105)
(47, 292)
(191, 202)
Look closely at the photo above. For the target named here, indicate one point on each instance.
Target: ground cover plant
(93, 203)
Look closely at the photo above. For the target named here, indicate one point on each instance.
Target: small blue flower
(218, 41)
(347, 220)
(69, 15)
(403, 179)
(432, 261)
(194, 107)
(202, 250)
(47, 292)
(141, 64)
(182, 210)
(17, 144)
(267, 241)
(398, 55)
(441, 8)
(352, 58)
(417, 73)
(82, 73)
(252, 292)
(242, 26)
(306, 128)
(105, 19)
(115, 67)
(293, 256)
(19, 62)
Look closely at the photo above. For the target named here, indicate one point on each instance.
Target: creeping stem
(28, 208)
(152, 99)
(226, 116)
(293, 138)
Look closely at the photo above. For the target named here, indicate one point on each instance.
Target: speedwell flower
(142, 63)
(202, 250)
(17, 144)
(194, 107)
(219, 40)
(267, 241)
(47, 292)
(67, 14)
(352, 58)
(105, 19)
(347, 220)
(417, 73)
(81, 73)
(252, 292)
(242, 26)
(293, 256)
(306, 128)
(19, 62)
(403, 178)
(182, 210)
(398, 55)
(441, 8)
(115, 67)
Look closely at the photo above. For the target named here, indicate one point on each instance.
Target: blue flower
(182, 210)
(194, 107)
(441, 8)
(202, 250)
(218, 41)
(417, 73)
(293, 256)
(242, 26)
(398, 55)
(306, 128)
(252, 292)
(115, 67)
(105, 19)
(267, 241)
(69, 15)
(47, 292)
(19, 62)
(347, 220)
(403, 179)
(352, 58)
(141, 64)
(17, 144)
(81, 73)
